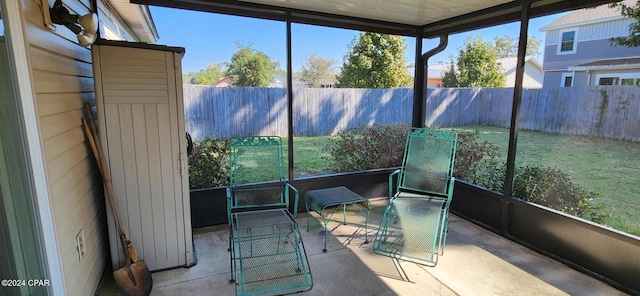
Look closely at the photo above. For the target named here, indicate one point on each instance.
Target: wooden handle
(106, 178)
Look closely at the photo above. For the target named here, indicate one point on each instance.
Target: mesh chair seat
(265, 245)
(414, 224)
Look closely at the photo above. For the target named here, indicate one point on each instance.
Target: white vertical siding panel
(144, 180)
(153, 150)
(167, 197)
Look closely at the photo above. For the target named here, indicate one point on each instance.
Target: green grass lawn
(308, 157)
(609, 167)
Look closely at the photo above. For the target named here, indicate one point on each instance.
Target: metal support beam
(420, 85)
(417, 116)
(515, 116)
(289, 99)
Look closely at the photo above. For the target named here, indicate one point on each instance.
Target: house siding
(581, 78)
(532, 77)
(592, 44)
(586, 52)
(63, 80)
(111, 26)
(554, 78)
(595, 31)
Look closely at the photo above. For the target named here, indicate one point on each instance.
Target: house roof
(585, 16)
(628, 63)
(614, 62)
(401, 17)
(508, 64)
(138, 18)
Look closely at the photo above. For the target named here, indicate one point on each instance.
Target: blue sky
(211, 38)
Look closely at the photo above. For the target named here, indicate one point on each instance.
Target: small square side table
(320, 199)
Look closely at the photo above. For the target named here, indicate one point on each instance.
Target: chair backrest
(428, 161)
(257, 172)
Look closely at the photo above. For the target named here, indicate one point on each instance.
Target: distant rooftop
(509, 63)
(587, 15)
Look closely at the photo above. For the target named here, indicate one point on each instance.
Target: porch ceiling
(400, 17)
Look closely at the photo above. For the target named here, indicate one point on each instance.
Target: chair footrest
(411, 229)
(268, 254)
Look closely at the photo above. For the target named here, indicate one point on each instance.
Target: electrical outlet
(80, 245)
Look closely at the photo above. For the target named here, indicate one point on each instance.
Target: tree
(207, 76)
(317, 70)
(507, 46)
(250, 67)
(281, 72)
(375, 61)
(475, 66)
(631, 11)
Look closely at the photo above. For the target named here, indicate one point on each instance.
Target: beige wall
(63, 81)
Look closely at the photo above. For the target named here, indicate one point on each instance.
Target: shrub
(549, 187)
(208, 164)
(374, 147)
(365, 147)
(473, 157)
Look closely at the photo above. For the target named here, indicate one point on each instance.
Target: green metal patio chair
(265, 244)
(414, 224)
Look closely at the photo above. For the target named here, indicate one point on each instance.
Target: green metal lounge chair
(414, 224)
(265, 245)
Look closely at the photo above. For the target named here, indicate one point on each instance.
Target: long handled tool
(134, 278)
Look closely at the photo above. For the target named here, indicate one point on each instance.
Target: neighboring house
(532, 73)
(578, 50)
(51, 192)
(281, 82)
(434, 75)
(226, 81)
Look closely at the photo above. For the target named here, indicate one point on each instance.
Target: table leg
(325, 221)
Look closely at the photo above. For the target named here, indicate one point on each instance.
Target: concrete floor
(475, 262)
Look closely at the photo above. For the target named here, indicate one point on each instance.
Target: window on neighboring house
(568, 42)
(567, 80)
(618, 79)
(608, 81)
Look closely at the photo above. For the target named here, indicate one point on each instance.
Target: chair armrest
(295, 201)
(452, 183)
(391, 182)
(229, 204)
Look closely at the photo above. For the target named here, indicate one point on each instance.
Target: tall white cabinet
(142, 130)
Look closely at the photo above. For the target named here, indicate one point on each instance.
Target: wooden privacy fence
(604, 111)
(245, 111)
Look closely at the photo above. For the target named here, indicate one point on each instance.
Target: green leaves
(207, 76)
(366, 147)
(475, 66)
(507, 46)
(318, 70)
(251, 67)
(375, 61)
(209, 164)
(630, 11)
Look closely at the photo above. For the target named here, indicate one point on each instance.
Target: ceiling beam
(488, 17)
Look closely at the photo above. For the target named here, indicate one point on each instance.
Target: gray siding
(552, 79)
(586, 52)
(580, 78)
